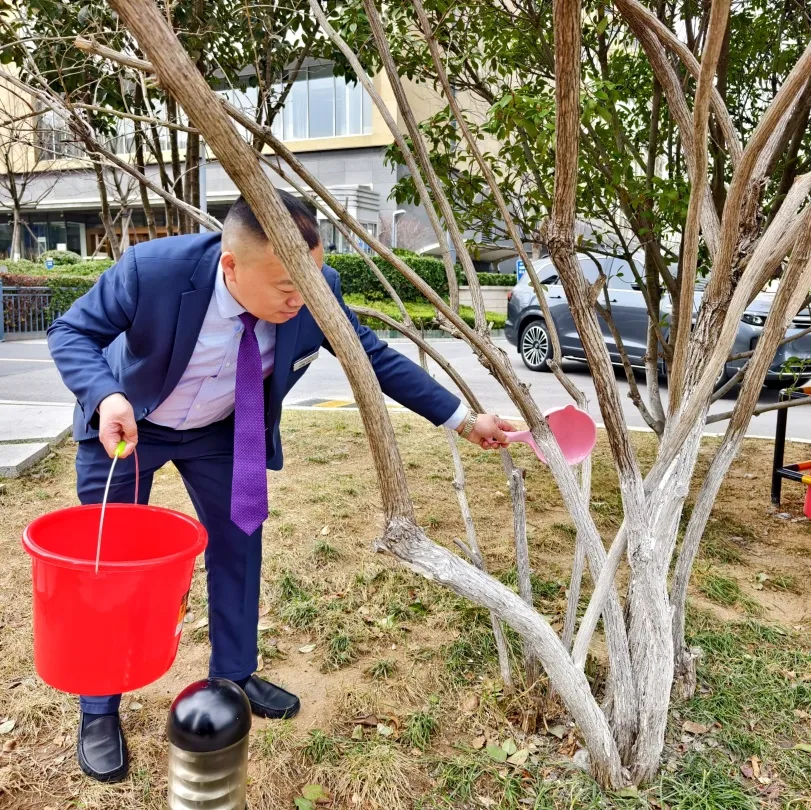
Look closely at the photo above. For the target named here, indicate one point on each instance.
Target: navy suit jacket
(134, 333)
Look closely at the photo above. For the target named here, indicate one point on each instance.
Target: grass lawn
(402, 706)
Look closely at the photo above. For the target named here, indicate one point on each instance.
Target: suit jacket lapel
(192, 312)
(286, 338)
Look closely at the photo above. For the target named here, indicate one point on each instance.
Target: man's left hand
(488, 432)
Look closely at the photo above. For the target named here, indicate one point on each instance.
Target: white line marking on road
(38, 404)
(24, 360)
(632, 428)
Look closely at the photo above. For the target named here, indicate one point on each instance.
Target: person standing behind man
(187, 347)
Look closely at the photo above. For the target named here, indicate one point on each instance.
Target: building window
(123, 143)
(321, 105)
(54, 138)
(371, 229)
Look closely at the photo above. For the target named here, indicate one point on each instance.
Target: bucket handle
(118, 451)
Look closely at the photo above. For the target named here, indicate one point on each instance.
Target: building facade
(331, 125)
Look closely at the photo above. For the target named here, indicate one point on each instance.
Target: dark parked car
(526, 329)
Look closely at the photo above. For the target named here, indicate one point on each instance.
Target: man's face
(258, 280)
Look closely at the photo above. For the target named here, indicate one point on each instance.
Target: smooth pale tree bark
(790, 295)
(701, 113)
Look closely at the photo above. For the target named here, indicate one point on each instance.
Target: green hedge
(498, 279)
(61, 257)
(88, 268)
(357, 278)
(69, 282)
(420, 312)
(64, 289)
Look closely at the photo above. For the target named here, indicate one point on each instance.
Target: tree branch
(701, 112)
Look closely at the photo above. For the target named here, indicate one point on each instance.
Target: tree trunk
(191, 180)
(177, 174)
(126, 220)
(16, 237)
(106, 219)
(157, 153)
(140, 163)
(402, 537)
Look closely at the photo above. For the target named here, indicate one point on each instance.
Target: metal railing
(27, 312)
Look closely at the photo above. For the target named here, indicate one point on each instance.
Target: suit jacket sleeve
(400, 378)
(76, 340)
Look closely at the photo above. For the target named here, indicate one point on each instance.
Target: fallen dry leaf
(135, 706)
(477, 743)
(470, 703)
(307, 648)
(519, 757)
(7, 727)
(325, 531)
(695, 728)
(367, 720)
(557, 731)
(201, 623)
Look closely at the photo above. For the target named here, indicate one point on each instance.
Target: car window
(589, 266)
(621, 276)
(546, 273)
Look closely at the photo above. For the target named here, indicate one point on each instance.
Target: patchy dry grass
(402, 706)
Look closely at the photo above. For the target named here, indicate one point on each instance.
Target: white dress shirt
(205, 392)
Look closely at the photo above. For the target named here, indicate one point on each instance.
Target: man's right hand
(116, 424)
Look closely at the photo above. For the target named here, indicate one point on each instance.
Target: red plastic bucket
(119, 629)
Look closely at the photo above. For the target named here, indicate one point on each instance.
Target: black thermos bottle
(208, 730)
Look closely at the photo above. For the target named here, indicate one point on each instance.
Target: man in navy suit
(187, 347)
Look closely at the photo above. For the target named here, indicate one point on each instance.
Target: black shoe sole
(105, 778)
(275, 714)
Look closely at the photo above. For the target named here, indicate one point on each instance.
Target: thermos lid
(208, 716)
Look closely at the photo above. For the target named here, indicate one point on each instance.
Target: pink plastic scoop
(574, 430)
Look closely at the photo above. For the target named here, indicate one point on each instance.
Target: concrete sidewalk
(27, 431)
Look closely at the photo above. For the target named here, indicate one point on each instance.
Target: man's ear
(228, 263)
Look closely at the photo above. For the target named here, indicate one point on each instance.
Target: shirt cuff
(457, 417)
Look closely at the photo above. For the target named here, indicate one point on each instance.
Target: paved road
(28, 375)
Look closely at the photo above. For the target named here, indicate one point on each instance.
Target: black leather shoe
(268, 700)
(102, 750)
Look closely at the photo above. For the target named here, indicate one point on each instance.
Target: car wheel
(535, 346)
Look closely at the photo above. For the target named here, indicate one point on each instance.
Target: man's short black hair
(240, 214)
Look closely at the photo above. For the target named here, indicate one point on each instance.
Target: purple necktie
(249, 488)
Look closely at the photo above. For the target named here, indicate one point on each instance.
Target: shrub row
(356, 277)
(421, 312)
(71, 281)
(64, 289)
(91, 268)
(498, 279)
(61, 257)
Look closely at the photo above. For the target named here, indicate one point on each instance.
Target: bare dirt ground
(398, 677)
